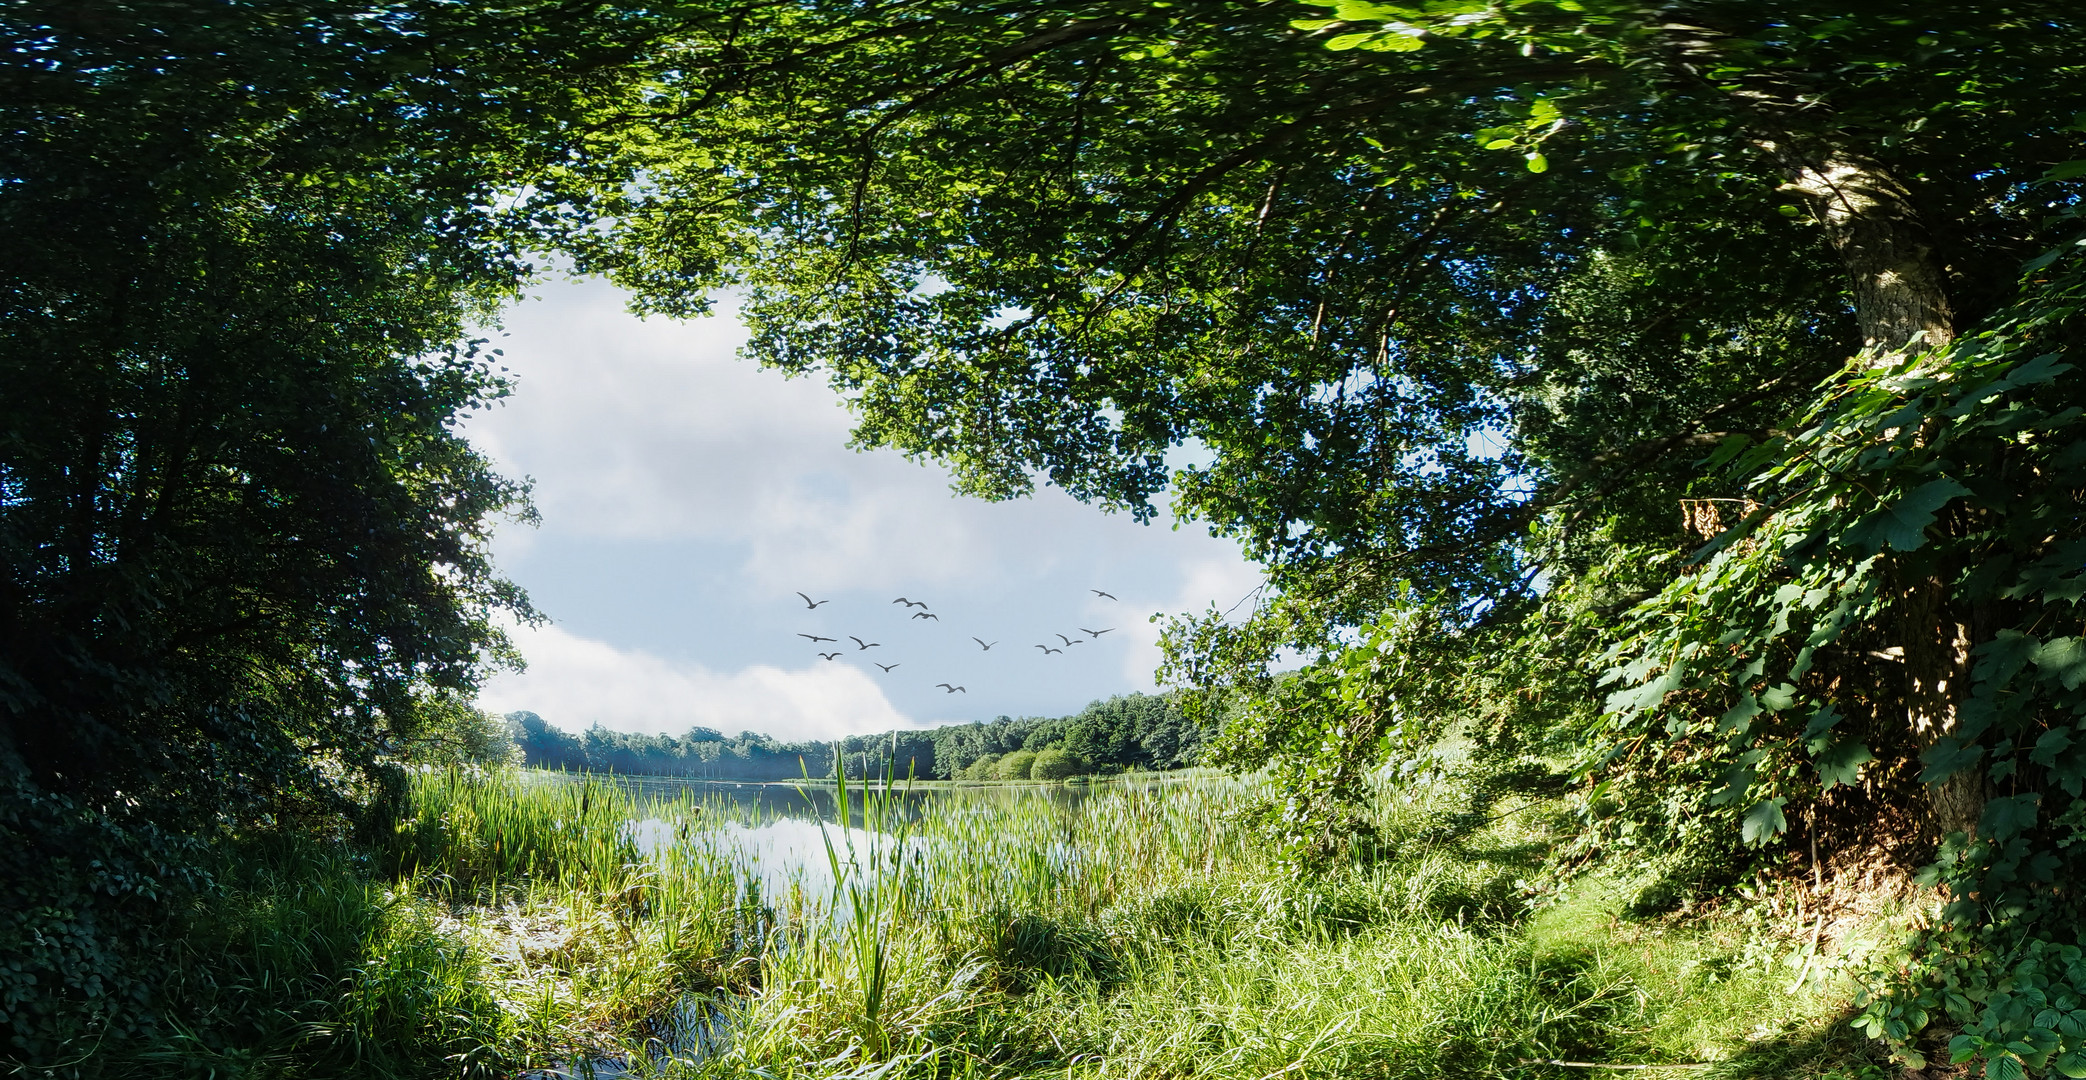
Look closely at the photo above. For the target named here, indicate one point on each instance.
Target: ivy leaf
(1903, 524)
(1764, 822)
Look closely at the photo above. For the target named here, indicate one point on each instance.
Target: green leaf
(1500, 144)
(1538, 163)
(1393, 43)
(2066, 170)
(2062, 660)
(1364, 11)
(2004, 1066)
(1348, 41)
(1778, 698)
(1903, 524)
(2008, 816)
(1947, 757)
(2072, 1064)
(1739, 716)
(1764, 822)
(1841, 764)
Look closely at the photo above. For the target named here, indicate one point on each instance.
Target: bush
(1015, 766)
(1056, 763)
(985, 768)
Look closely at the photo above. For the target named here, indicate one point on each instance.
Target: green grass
(510, 922)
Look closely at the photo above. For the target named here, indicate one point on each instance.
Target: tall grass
(517, 922)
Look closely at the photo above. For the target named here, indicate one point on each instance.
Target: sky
(687, 497)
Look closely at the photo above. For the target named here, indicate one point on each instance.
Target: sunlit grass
(519, 923)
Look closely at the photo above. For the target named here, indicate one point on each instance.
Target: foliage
(1954, 472)
(1128, 731)
(243, 548)
(1014, 766)
(1169, 945)
(1055, 763)
(1457, 304)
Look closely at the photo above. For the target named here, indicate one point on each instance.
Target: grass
(513, 923)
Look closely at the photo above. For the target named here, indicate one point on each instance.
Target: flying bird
(815, 637)
(927, 615)
(829, 655)
(983, 644)
(863, 644)
(887, 667)
(952, 689)
(910, 603)
(1068, 641)
(1094, 633)
(1047, 649)
(813, 604)
(1098, 592)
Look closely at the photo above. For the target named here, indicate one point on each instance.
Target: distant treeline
(1141, 731)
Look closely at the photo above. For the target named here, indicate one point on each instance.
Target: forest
(1656, 424)
(1130, 731)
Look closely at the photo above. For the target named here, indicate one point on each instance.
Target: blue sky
(687, 496)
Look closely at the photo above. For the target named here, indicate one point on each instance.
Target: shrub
(1015, 766)
(1056, 763)
(985, 768)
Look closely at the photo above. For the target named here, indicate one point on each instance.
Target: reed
(526, 922)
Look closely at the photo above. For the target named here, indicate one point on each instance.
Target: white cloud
(656, 430)
(575, 683)
(1204, 581)
(686, 494)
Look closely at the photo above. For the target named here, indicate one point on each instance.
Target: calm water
(780, 832)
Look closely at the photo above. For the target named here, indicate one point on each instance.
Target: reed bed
(522, 923)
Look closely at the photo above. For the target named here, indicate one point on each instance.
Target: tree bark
(1900, 301)
(1900, 286)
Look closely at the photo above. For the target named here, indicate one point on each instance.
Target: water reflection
(777, 834)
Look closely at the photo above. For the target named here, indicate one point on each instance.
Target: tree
(1487, 315)
(243, 560)
(1056, 763)
(1015, 766)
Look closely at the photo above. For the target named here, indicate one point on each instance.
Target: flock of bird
(864, 645)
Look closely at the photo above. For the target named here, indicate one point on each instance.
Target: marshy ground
(519, 924)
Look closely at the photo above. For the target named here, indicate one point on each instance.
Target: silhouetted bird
(910, 603)
(1098, 592)
(815, 637)
(952, 689)
(863, 644)
(813, 604)
(983, 644)
(886, 667)
(1047, 649)
(1094, 633)
(1068, 641)
(927, 615)
(829, 655)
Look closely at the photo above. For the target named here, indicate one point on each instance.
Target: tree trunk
(1900, 300)
(1900, 287)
